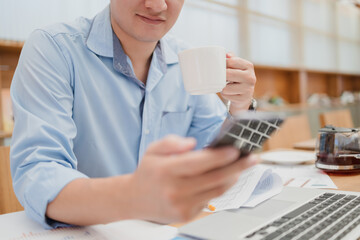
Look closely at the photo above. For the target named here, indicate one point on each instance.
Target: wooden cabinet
(9, 56)
(295, 86)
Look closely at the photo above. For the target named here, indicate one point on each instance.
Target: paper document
(254, 186)
(138, 229)
(307, 176)
(61, 234)
(17, 226)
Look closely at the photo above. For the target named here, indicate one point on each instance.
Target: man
(91, 101)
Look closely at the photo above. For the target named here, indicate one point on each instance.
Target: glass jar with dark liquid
(338, 149)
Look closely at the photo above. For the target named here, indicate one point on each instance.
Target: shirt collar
(169, 54)
(100, 36)
(100, 39)
(122, 64)
(120, 61)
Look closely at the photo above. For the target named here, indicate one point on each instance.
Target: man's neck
(140, 53)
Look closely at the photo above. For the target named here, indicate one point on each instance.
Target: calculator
(248, 130)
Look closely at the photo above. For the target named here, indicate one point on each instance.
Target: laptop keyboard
(329, 216)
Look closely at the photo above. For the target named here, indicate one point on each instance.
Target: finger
(198, 162)
(218, 177)
(237, 98)
(238, 89)
(238, 63)
(213, 193)
(230, 55)
(240, 76)
(240, 101)
(219, 190)
(171, 145)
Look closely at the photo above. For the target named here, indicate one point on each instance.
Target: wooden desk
(9, 56)
(4, 135)
(16, 226)
(306, 145)
(24, 224)
(344, 182)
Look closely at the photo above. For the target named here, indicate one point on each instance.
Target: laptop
(295, 213)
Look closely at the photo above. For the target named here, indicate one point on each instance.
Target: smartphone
(248, 130)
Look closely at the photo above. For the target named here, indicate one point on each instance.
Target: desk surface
(306, 145)
(5, 134)
(344, 182)
(17, 226)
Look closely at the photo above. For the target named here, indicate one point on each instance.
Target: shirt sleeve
(209, 115)
(42, 157)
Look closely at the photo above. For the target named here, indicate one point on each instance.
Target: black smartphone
(248, 130)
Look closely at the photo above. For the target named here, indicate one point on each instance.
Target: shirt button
(147, 131)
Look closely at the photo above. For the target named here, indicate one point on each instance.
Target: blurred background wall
(316, 34)
(306, 52)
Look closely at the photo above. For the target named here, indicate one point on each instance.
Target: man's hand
(174, 184)
(171, 184)
(240, 75)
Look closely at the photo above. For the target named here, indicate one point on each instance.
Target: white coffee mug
(203, 69)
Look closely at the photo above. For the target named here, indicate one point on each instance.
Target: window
(306, 34)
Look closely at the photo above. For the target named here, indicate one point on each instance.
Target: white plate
(288, 157)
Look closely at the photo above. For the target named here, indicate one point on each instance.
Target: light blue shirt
(80, 111)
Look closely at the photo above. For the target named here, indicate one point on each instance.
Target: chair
(337, 118)
(294, 129)
(8, 200)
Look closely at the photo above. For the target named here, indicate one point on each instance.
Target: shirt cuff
(46, 181)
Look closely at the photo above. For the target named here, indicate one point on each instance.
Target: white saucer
(288, 157)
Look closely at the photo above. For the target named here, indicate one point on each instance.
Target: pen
(211, 207)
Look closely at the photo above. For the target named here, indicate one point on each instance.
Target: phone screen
(248, 130)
